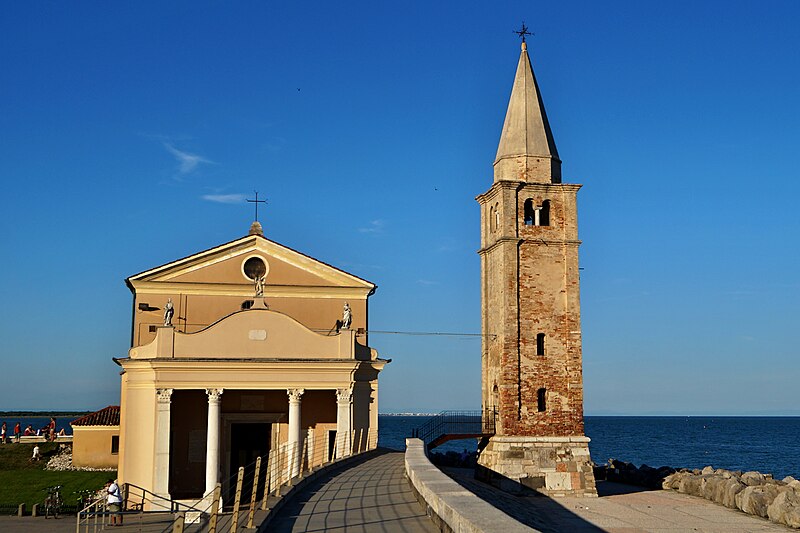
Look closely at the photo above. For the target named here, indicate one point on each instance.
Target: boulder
(673, 480)
(728, 491)
(785, 508)
(711, 487)
(753, 478)
(757, 499)
(707, 470)
(691, 485)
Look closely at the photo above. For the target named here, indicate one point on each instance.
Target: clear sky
(130, 132)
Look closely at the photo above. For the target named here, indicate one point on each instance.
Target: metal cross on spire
(523, 32)
(256, 201)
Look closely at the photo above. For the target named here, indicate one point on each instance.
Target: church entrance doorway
(248, 441)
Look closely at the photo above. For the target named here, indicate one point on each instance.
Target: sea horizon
(757, 414)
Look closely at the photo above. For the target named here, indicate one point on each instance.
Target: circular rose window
(254, 268)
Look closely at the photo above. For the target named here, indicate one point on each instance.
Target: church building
(243, 349)
(532, 378)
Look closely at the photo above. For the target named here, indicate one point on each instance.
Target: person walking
(3, 433)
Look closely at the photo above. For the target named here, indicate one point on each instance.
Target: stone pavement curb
(451, 506)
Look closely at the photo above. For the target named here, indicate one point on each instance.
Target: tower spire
(527, 151)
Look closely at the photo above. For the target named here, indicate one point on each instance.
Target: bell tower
(532, 374)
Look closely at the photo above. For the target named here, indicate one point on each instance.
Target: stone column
(344, 405)
(162, 434)
(212, 438)
(295, 443)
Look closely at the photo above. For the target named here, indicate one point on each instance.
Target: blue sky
(130, 132)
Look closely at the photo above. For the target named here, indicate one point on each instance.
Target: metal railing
(449, 425)
(144, 509)
(236, 500)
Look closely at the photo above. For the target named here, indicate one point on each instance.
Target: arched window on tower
(534, 215)
(544, 215)
(540, 344)
(541, 400)
(496, 216)
(529, 213)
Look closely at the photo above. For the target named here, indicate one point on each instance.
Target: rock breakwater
(751, 492)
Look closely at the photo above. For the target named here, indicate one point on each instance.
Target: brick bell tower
(530, 296)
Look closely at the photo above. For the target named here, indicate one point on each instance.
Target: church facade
(532, 377)
(238, 351)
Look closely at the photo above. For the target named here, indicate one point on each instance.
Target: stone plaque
(257, 335)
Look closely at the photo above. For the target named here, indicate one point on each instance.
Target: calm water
(767, 444)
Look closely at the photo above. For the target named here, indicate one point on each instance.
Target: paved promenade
(28, 524)
(619, 509)
(370, 496)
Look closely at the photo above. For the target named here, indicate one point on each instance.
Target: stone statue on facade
(260, 281)
(169, 311)
(347, 316)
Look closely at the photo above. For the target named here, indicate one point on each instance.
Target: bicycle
(85, 498)
(52, 502)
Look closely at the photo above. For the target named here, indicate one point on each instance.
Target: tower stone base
(555, 466)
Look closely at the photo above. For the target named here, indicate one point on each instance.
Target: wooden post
(237, 500)
(303, 456)
(267, 486)
(177, 526)
(279, 471)
(253, 494)
(212, 522)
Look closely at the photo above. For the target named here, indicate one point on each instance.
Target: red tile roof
(108, 416)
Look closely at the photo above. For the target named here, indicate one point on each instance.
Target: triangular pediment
(224, 265)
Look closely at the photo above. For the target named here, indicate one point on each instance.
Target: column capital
(214, 395)
(295, 394)
(163, 395)
(344, 395)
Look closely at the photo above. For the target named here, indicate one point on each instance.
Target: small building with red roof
(96, 439)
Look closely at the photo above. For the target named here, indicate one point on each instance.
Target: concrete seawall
(451, 506)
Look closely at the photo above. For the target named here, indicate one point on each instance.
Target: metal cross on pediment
(256, 201)
(523, 31)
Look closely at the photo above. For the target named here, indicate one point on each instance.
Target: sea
(767, 444)
(37, 422)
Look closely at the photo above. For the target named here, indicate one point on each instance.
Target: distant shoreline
(632, 416)
(42, 414)
(407, 414)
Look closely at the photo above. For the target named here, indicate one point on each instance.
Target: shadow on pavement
(368, 495)
(534, 510)
(610, 488)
